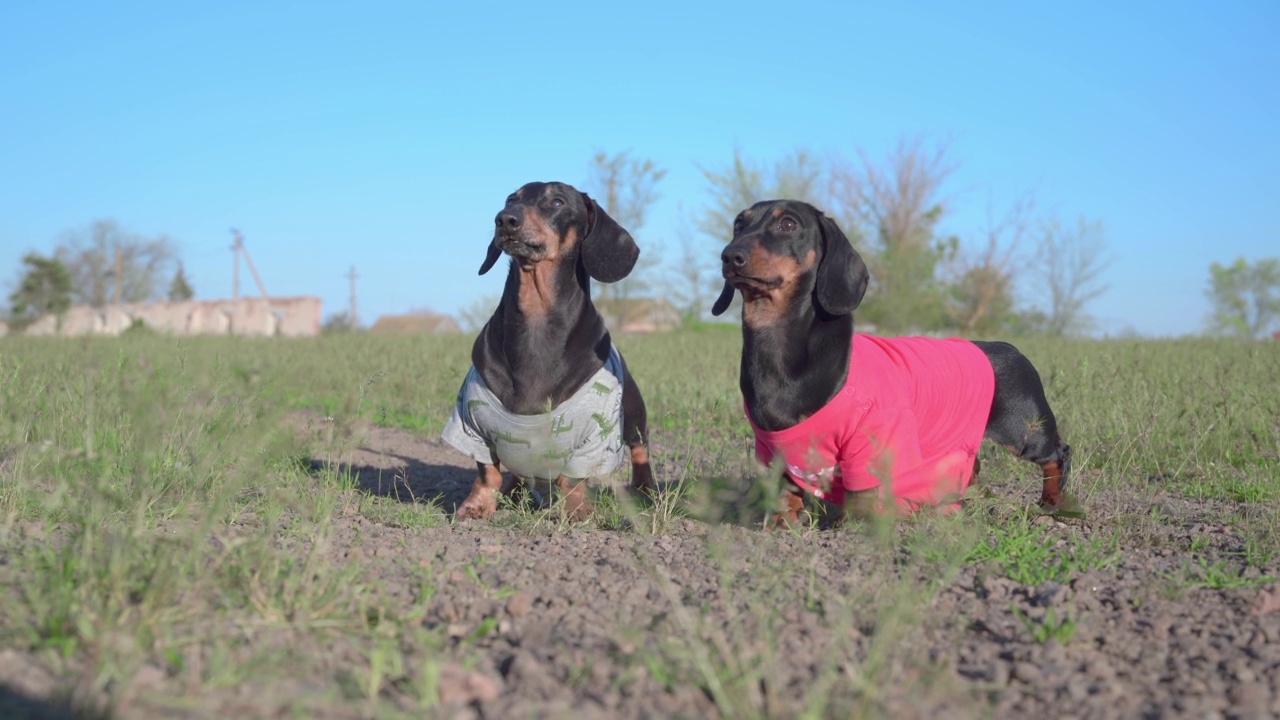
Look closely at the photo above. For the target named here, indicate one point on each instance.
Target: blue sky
(386, 135)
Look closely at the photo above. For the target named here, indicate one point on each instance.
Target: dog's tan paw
(783, 521)
(476, 510)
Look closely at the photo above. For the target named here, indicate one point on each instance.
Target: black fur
(1021, 419)
(546, 339)
(608, 252)
(793, 367)
(532, 366)
(842, 276)
(796, 362)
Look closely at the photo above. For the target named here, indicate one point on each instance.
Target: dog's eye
(511, 198)
(557, 202)
(788, 224)
(737, 224)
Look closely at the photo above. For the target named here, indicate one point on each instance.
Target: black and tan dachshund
(548, 396)
(800, 281)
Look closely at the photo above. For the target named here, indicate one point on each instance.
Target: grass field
(175, 542)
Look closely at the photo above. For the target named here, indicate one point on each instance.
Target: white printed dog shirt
(580, 438)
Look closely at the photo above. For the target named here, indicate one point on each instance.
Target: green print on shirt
(510, 439)
(606, 426)
(558, 454)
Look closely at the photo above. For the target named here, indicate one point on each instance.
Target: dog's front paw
(477, 509)
(787, 520)
(574, 493)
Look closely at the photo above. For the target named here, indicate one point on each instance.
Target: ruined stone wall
(284, 316)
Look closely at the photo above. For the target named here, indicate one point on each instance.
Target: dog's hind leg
(635, 429)
(1022, 421)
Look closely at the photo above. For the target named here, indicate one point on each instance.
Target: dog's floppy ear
(842, 276)
(608, 252)
(722, 302)
(494, 253)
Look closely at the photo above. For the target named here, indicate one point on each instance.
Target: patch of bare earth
(588, 623)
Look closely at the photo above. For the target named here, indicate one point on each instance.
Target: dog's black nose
(736, 257)
(508, 221)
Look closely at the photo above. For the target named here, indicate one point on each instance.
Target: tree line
(96, 266)
(894, 209)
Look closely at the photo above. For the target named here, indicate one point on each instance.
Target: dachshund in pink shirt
(866, 422)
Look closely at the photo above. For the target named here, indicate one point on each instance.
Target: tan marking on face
(777, 213)
(537, 295)
(762, 306)
(537, 229)
(570, 239)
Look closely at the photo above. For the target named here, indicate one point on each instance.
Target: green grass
(1030, 553)
(1047, 627)
(152, 490)
(1222, 574)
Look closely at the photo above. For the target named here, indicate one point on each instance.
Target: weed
(156, 508)
(1030, 554)
(1049, 627)
(1217, 575)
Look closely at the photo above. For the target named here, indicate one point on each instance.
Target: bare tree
(627, 187)
(91, 258)
(1245, 296)
(473, 317)
(743, 183)
(738, 186)
(1068, 269)
(900, 202)
(982, 291)
(689, 282)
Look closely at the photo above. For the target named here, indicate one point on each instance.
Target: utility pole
(351, 275)
(253, 271)
(235, 265)
(235, 278)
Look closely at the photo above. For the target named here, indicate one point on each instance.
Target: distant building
(418, 323)
(639, 315)
(283, 316)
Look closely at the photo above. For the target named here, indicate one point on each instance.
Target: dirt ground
(562, 638)
(557, 622)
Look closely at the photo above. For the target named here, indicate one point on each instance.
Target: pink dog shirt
(909, 421)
